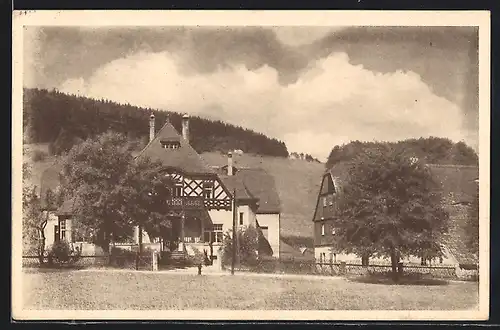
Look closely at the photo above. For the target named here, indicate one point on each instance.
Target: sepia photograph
(250, 165)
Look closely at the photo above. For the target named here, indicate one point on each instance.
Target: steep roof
(235, 184)
(289, 252)
(459, 189)
(259, 184)
(457, 181)
(184, 158)
(67, 207)
(50, 179)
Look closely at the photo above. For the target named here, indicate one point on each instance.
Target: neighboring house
(459, 185)
(201, 206)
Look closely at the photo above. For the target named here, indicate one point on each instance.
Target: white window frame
(208, 190)
(216, 233)
(322, 229)
(62, 230)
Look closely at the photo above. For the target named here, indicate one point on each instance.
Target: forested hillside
(62, 120)
(431, 150)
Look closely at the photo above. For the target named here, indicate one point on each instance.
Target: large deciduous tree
(113, 192)
(391, 207)
(36, 212)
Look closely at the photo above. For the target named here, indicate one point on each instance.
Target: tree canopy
(431, 150)
(112, 192)
(391, 207)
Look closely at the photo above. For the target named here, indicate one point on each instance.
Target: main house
(202, 199)
(459, 185)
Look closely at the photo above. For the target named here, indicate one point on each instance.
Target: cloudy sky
(312, 87)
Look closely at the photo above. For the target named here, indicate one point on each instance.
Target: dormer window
(170, 144)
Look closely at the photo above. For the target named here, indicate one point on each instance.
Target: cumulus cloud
(331, 103)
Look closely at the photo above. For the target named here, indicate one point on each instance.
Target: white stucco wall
(223, 217)
(248, 216)
(49, 230)
(226, 217)
(272, 222)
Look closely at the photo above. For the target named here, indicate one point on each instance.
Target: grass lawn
(78, 290)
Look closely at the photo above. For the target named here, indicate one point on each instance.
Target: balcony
(186, 203)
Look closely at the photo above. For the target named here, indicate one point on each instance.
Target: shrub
(38, 155)
(62, 253)
(247, 246)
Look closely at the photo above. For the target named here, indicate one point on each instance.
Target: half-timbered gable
(200, 200)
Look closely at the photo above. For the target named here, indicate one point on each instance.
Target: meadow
(130, 290)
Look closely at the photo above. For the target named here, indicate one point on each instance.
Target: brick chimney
(185, 127)
(229, 163)
(151, 127)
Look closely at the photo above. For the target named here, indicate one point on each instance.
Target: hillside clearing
(297, 182)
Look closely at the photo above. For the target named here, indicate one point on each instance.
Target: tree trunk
(365, 260)
(41, 247)
(394, 264)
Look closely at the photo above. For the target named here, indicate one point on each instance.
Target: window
(178, 190)
(241, 218)
(62, 229)
(208, 189)
(322, 229)
(170, 144)
(324, 201)
(214, 235)
(333, 231)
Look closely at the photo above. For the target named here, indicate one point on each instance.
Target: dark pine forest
(63, 120)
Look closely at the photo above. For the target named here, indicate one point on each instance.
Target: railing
(185, 202)
(313, 267)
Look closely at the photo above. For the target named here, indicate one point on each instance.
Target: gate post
(154, 262)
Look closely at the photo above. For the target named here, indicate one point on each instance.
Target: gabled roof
(457, 181)
(184, 158)
(259, 184)
(50, 179)
(235, 185)
(459, 186)
(67, 207)
(289, 252)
